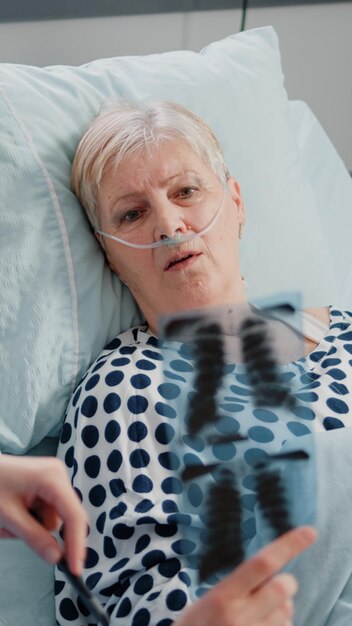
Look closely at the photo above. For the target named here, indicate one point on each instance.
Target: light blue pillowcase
(59, 303)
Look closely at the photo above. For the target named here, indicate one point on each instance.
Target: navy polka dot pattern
(118, 442)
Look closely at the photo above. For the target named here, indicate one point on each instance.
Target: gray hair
(122, 128)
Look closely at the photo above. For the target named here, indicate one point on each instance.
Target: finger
(6, 534)
(46, 515)
(75, 533)
(280, 617)
(71, 512)
(267, 562)
(271, 596)
(21, 524)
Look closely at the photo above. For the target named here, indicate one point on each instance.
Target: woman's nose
(168, 221)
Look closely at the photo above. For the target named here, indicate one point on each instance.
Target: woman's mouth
(181, 261)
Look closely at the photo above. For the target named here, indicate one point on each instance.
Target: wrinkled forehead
(156, 164)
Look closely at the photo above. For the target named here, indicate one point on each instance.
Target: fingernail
(290, 584)
(52, 554)
(309, 534)
(292, 588)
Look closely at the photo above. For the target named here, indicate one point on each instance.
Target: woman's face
(153, 192)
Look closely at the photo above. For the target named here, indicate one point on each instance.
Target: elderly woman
(150, 176)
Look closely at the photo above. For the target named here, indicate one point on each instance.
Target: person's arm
(35, 498)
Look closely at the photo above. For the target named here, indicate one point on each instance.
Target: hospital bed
(59, 303)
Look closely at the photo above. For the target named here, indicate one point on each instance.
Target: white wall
(315, 41)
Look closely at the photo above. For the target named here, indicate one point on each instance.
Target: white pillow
(332, 186)
(59, 304)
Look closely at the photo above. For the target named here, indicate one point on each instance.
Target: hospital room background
(315, 41)
(49, 308)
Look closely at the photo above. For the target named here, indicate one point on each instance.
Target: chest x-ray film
(246, 468)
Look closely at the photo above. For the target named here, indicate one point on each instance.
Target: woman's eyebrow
(182, 173)
(132, 194)
(111, 203)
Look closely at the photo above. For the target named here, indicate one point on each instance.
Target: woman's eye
(130, 216)
(186, 192)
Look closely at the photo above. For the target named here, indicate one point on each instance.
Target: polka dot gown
(117, 442)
